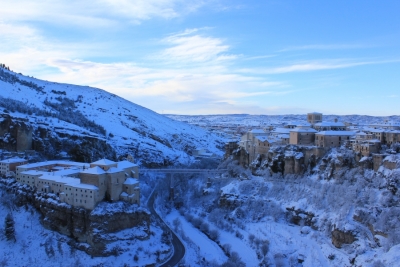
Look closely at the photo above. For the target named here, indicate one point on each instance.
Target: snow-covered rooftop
(33, 172)
(59, 178)
(258, 131)
(94, 170)
(346, 133)
(303, 130)
(54, 162)
(266, 138)
(13, 160)
(131, 181)
(114, 170)
(280, 130)
(126, 164)
(330, 124)
(104, 162)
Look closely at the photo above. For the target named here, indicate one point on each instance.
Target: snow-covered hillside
(152, 138)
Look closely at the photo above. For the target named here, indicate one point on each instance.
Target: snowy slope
(130, 128)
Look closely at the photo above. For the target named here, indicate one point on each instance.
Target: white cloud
(315, 66)
(189, 48)
(324, 47)
(177, 87)
(96, 13)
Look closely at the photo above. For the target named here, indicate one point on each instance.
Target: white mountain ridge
(130, 128)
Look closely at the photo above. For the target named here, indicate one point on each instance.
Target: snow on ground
(246, 253)
(202, 246)
(37, 246)
(289, 241)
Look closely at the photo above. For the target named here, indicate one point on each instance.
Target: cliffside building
(10, 165)
(81, 184)
(302, 135)
(332, 138)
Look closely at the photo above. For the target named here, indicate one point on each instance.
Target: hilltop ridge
(153, 139)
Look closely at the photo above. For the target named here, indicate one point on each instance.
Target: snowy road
(179, 248)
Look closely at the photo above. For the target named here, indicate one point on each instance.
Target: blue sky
(215, 56)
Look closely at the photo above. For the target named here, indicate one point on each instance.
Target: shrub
(214, 234)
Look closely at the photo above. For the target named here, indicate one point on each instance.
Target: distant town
(315, 132)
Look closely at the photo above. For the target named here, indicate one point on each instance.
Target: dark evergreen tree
(9, 227)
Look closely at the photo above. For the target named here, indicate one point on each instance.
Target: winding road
(179, 248)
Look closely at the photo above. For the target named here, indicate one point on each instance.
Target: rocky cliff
(89, 230)
(20, 134)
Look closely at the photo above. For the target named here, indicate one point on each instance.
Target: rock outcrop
(340, 237)
(18, 134)
(84, 226)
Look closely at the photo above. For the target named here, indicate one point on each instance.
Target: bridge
(184, 171)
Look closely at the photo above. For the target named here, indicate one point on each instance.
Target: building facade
(84, 185)
(332, 138)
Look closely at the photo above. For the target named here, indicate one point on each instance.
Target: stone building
(314, 117)
(387, 125)
(302, 136)
(367, 148)
(392, 137)
(378, 134)
(84, 185)
(10, 165)
(230, 146)
(332, 138)
(329, 126)
(262, 145)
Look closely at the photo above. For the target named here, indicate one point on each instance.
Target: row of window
(69, 188)
(77, 195)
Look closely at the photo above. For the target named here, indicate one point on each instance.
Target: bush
(197, 222)
(205, 227)
(265, 247)
(189, 217)
(251, 238)
(214, 234)
(227, 249)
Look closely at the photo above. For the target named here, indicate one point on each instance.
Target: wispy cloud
(258, 57)
(96, 13)
(325, 47)
(178, 86)
(187, 47)
(315, 66)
